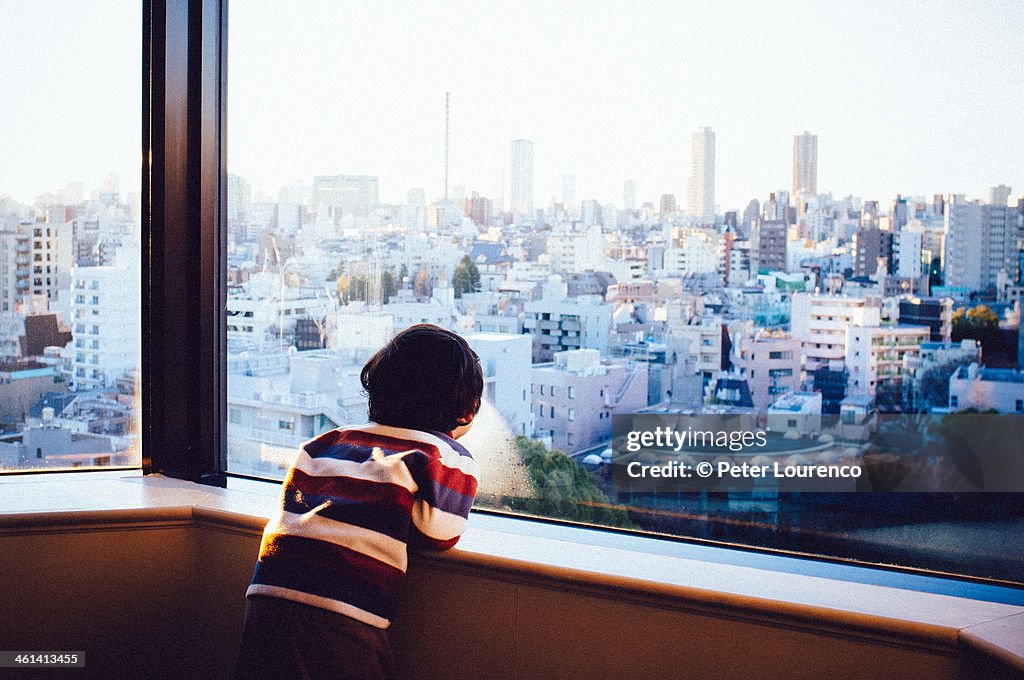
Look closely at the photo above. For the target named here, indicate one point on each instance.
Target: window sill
(570, 559)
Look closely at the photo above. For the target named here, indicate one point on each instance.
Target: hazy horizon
(916, 99)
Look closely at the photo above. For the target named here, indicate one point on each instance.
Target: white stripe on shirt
(371, 543)
(386, 469)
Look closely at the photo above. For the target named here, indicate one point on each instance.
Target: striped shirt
(352, 503)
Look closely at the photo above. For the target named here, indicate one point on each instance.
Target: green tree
(969, 323)
(466, 278)
(388, 286)
(564, 489)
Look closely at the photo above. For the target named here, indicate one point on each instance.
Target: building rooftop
(1001, 375)
(793, 401)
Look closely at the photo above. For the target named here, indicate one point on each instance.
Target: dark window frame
(184, 341)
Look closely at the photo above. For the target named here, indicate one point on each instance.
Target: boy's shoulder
(389, 438)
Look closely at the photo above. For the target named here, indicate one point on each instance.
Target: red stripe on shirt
(368, 491)
(453, 478)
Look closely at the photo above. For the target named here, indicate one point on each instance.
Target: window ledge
(564, 558)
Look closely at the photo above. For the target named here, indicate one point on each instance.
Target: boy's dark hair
(426, 378)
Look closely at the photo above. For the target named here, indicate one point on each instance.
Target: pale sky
(907, 97)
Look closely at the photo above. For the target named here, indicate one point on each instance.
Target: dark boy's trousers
(287, 640)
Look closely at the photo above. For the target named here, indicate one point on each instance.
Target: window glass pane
(694, 215)
(69, 234)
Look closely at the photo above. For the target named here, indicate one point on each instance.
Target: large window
(69, 234)
(760, 215)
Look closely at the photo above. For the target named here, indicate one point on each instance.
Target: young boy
(334, 556)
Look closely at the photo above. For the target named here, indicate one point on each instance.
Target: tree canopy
(968, 322)
(564, 489)
(466, 278)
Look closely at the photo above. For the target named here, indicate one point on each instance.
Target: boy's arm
(446, 492)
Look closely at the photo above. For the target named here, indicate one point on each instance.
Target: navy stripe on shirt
(441, 496)
(391, 521)
(328, 570)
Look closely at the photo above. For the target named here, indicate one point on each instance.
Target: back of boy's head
(425, 378)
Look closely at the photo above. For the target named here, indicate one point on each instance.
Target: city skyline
(834, 316)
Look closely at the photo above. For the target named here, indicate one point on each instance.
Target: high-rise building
(882, 356)
(805, 166)
(907, 248)
(999, 195)
(702, 176)
(769, 245)
(15, 259)
(668, 204)
(522, 177)
(239, 199)
(105, 311)
(480, 209)
(591, 212)
(872, 247)
(569, 193)
(981, 241)
(961, 259)
(899, 213)
(629, 195)
(1000, 226)
(822, 323)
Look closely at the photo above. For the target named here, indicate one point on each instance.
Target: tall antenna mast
(447, 120)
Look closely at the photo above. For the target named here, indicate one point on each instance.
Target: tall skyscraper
(629, 195)
(569, 193)
(702, 176)
(805, 166)
(521, 188)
